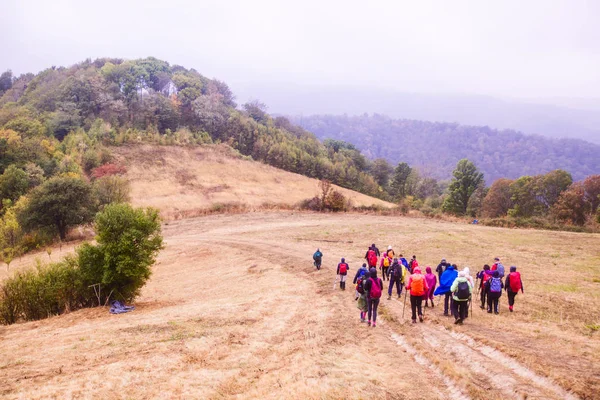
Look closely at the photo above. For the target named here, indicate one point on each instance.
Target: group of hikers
(456, 286)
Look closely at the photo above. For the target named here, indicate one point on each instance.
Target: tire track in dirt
(511, 378)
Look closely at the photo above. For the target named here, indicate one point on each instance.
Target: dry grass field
(235, 309)
(179, 180)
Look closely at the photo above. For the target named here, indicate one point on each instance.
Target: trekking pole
(335, 281)
(404, 306)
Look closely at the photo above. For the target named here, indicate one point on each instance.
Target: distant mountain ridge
(436, 147)
(565, 119)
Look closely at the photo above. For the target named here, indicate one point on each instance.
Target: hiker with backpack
(446, 281)
(371, 256)
(431, 280)
(373, 287)
(441, 268)
(342, 271)
(413, 263)
(512, 286)
(494, 287)
(385, 266)
(362, 271)
(362, 295)
(461, 294)
(397, 275)
(390, 252)
(403, 261)
(483, 276)
(317, 257)
(497, 266)
(418, 288)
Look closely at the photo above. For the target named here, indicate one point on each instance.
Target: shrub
(128, 242)
(313, 204)
(111, 189)
(335, 201)
(90, 160)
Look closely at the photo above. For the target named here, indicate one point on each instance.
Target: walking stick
(404, 306)
(335, 282)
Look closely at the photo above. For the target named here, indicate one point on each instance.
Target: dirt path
(235, 309)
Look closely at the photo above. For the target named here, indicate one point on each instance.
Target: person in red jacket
(512, 286)
(417, 284)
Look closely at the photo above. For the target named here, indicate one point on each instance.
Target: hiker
(441, 268)
(385, 266)
(362, 271)
(431, 280)
(403, 261)
(342, 271)
(469, 277)
(390, 252)
(494, 291)
(397, 277)
(373, 287)
(500, 269)
(461, 293)
(446, 282)
(371, 256)
(376, 250)
(362, 295)
(512, 286)
(317, 257)
(418, 288)
(483, 276)
(413, 263)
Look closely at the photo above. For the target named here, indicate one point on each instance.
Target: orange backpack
(417, 287)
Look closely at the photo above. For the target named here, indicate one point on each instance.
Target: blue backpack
(495, 285)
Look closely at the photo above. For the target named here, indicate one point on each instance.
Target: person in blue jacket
(446, 281)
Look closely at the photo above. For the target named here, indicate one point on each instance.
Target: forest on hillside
(435, 148)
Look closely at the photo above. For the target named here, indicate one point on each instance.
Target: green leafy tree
(551, 185)
(399, 180)
(523, 194)
(14, 182)
(10, 237)
(591, 185)
(465, 182)
(6, 81)
(128, 241)
(381, 171)
(59, 203)
(111, 189)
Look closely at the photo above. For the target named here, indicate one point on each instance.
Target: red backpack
(375, 292)
(359, 286)
(343, 268)
(514, 280)
(372, 258)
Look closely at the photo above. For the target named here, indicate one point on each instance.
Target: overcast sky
(525, 48)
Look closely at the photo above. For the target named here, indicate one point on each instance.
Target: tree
(59, 203)
(475, 203)
(571, 205)
(498, 200)
(551, 185)
(428, 187)
(401, 174)
(466, 180)
(14, 182)
(10, 237)
(523, 194)
(256, 110)
(591, 185)
(381, 171)
(6, 81)
(111, 189)
(128, 241)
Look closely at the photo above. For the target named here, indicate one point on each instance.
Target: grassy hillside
(235, 309)
(436, 147)
(177, 180)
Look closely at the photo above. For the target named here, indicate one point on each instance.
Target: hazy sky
(525, 48)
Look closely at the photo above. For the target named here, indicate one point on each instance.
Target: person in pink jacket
(431, 280)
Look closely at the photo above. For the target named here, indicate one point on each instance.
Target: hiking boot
(420, 318)
(457, 321)
(482, 307)
(445, 314)
(510, 308)
(426, 305)
(432, 305)
(496, 312)
(399, 296)
(369, 323)
(460, 321)
(489, 311)
(374, 324)
(389, 297)
(414, 321)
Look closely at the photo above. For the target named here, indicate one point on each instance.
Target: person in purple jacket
(431, 280)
